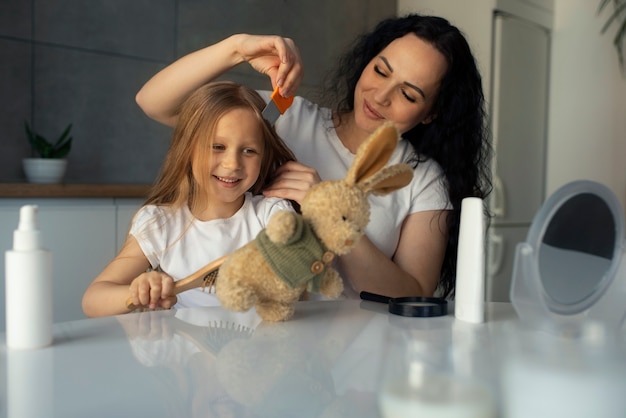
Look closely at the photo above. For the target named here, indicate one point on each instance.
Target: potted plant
(51, 164)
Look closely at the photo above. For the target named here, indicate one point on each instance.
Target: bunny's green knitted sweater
(302, 259)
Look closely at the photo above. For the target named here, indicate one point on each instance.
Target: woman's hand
(153, 289)
(274, 56)
(293, 180)
(277, 57)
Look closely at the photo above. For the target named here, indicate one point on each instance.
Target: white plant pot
(44, 170)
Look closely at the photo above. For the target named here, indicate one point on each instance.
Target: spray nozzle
(27, 237)
(28, 218)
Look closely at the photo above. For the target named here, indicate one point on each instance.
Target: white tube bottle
(469, 296)
(28, 279)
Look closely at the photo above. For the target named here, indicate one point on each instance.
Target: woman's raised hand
(274, 56)
(277, 57)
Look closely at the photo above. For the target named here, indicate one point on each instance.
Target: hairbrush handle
(204, 277)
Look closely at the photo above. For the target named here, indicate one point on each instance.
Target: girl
(205, 203)
(416, 71)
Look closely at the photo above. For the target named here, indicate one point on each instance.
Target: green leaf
(63, 136)
(619, 16)
(63, 150)
(603, 3)
(30, 135)
(616, 14)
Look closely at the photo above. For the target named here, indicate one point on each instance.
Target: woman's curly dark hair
(457, 139)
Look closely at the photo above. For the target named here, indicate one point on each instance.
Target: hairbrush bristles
(208, 281)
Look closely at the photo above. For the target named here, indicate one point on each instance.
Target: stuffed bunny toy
(294, 252)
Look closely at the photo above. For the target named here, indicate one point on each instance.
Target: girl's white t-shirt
(179, 244)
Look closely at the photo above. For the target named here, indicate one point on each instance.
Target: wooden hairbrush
(204, 278)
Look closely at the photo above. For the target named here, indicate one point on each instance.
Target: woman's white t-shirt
(179, 244)
(308, 131)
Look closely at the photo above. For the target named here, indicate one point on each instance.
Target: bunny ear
(373, 154)
(388, 179)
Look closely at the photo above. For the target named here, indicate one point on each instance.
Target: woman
(416, 71)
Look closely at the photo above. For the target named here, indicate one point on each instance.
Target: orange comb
(276, 106)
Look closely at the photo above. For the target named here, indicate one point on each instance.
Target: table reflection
(216, 363)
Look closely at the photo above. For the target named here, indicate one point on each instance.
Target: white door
(519, 116)
(519, 126)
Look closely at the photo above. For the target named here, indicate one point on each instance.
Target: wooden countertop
(16, 190)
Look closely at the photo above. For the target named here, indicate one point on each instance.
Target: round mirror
(577, 251)
(572, 253)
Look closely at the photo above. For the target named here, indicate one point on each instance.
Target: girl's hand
(153, 289)
(276, 57)
(293, 180)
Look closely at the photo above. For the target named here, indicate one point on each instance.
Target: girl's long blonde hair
(176, 186)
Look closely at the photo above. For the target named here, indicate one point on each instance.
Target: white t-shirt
(309, 132)
(179, 244)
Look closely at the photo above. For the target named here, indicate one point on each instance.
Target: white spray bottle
(28, 279)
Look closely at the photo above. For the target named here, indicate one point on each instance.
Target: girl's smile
(228, 182)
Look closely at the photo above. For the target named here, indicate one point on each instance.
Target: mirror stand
(532, 304)
(570, 274)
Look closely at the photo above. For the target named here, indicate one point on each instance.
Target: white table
(325, 362)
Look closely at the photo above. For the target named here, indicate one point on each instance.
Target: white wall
(471, 17)
(587, 111)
